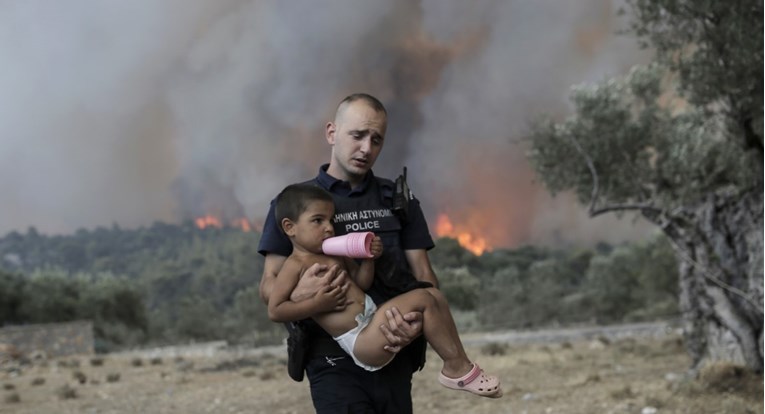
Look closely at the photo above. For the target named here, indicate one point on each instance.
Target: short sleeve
(273, 240)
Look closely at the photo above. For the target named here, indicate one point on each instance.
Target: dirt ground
(641, 376)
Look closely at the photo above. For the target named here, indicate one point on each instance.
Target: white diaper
(348, 339)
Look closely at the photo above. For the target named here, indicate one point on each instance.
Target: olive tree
(680, 142)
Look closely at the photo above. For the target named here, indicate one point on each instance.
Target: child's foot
(474, 381)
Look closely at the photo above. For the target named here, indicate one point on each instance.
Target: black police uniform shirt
(366, 208)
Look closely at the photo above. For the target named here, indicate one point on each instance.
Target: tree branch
(592, 210)
(621, 207)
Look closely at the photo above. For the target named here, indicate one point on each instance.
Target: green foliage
(205, 286)
(459, 286)
(669, 132)
(553, 280)
(641, 151)
(635, 282)
(50, 296)
(631, 282)
(612, 283)
(247, 321)
(110, 298)
(504, 300)
(11, 288)
(527, 287)
(532, 286)
(114, 305)
(716, 50)
(196, 318)
(132, 283)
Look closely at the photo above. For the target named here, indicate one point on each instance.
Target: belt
(324, 346)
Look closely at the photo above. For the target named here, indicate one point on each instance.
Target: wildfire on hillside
(207, 221)
(467, 239)
(210, 221)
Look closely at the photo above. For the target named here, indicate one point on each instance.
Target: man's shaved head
(356, 135)
(370, 100)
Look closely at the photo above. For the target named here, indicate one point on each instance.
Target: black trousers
(339, 386)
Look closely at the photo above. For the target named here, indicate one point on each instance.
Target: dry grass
(619, 376)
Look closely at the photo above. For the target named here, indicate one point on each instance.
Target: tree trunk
(720, 250)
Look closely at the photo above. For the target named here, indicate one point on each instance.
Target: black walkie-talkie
(401, 197)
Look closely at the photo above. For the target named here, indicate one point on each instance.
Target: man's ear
(329, 132)
(288, 226)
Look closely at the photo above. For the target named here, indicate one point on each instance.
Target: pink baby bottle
(355, 245)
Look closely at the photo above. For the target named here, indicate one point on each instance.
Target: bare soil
(628, 375)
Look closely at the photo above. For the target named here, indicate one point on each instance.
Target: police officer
(363, 202)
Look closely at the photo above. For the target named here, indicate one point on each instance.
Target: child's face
(313, 226)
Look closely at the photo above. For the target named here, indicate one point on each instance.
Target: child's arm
(282, 309)
(364, 273)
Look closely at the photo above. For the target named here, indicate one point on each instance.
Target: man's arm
(419, 262)
(271, 267)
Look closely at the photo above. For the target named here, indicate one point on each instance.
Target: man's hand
(401, 329)
(318, 277)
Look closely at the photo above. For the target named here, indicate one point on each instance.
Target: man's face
(357, 137)
(313, 226)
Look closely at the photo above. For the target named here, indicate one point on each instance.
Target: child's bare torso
(336, 323)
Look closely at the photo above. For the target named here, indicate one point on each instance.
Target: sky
(128, 113)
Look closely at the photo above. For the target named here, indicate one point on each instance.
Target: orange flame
(207, 221)
(473, 243)
(242, 224)
(210, 221)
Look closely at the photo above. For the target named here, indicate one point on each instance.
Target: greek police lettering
(362, 215)
(381, 213)
(343, 217)
(363, 226)
(369, 219)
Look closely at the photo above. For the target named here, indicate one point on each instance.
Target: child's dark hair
(294, 199)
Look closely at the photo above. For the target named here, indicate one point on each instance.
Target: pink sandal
(474, 381)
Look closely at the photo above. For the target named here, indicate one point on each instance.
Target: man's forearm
(266, 284)
(273, 263)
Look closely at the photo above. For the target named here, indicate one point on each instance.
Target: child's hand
(376, 248)
(316, 277)
(330, 298)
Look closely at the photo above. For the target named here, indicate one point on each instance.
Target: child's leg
(441, 333)
(438, 327)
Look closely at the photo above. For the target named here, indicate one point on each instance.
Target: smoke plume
(132, 112)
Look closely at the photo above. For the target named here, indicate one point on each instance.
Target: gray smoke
(131, 112)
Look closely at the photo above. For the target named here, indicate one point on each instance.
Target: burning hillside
(210, 221)
(464, 235)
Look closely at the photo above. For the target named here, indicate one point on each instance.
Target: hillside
(169, 284)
